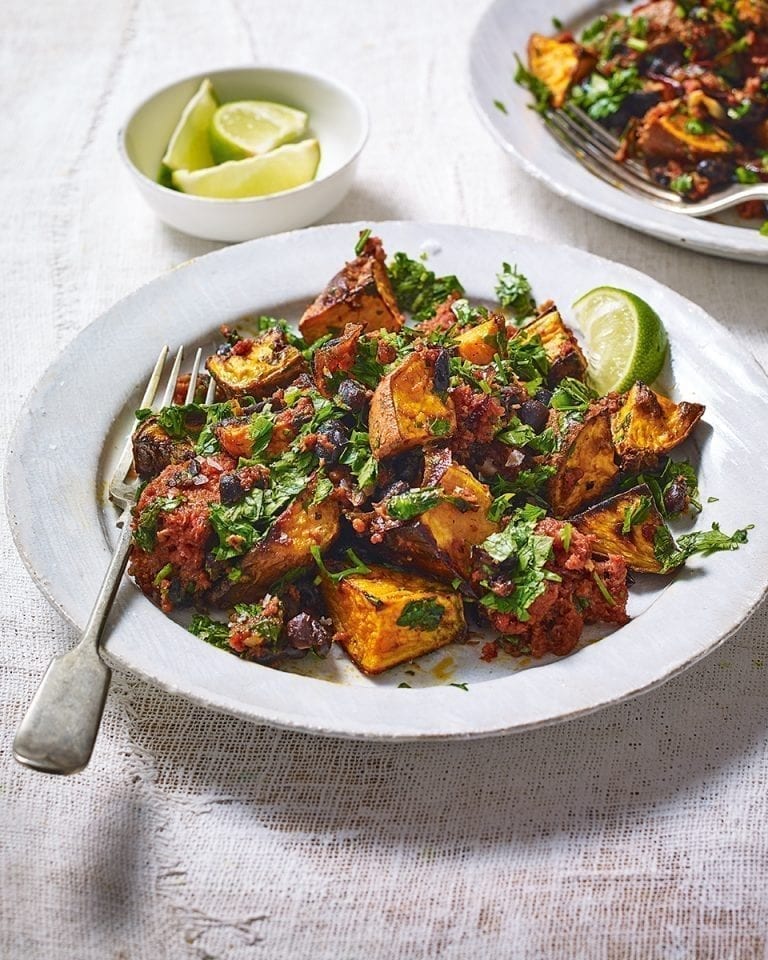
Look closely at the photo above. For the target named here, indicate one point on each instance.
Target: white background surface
(637, 832)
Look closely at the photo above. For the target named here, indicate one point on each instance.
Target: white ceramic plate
(69, 433)
(502, 31)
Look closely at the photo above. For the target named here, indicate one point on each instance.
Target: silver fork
(595, 148)
(60, 726)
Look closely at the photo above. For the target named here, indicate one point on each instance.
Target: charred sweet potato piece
(584, 465)
(479, 344)
(360, 293)
(560, 345)
(336, 357)
(287, 547)
(411, 405)
(665, 135)
(440, 540)
(154, 448)
(257, 367)
(559, 64)
(648, 425)
(754, 12)
(386, 617)
(626, 526)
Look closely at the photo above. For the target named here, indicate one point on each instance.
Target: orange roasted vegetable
(411, 405)
(360, 293)
(626, 526)
(479, 344)
(440, 540)
(559, 64)
(584, 465)
(386, 617)
(287, 547)
(560, 345)
(648, 425)
(256, 367)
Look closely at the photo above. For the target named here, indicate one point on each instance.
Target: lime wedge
(188, 148)
(247, 128)
(625, 339)
(281, 169)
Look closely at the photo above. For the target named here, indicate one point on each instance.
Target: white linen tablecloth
(637, 832)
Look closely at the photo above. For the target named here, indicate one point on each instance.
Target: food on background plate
(417, 469)
(246, 148)
(684, 86)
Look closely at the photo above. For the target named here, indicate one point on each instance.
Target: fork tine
(600, 135)
(125, 463)
(174, 376)
(192, 388)
(210, 393)
(604, 165)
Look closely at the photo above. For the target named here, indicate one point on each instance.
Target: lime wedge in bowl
(188, 148)
(625, 339)
(281, 169)
(248, 128)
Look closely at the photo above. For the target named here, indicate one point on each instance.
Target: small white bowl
(337, 117)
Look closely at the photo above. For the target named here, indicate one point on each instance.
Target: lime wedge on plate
(247, 128)
(189, 148)
(281, 169)
(625, 339)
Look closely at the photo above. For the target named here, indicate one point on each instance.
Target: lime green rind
(625, 339)
(284, 168)
(189, 148)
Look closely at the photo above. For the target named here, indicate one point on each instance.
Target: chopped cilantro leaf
(636, 513)
(601, 97)
(212, 631)
(417, 289)
(513, 291)
(145, 534)
(361, 241)
(704, 542)
(423, 614)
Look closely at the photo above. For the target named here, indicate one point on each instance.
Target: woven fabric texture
(638, 832)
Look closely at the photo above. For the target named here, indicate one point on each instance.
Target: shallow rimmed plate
(503, 31)
(69, 430)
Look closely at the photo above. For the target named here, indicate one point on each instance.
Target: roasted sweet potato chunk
(667, 136)
(361, 293)
(154, 448)
(287, 547)
(626, 526)
(558, 63)
(386, 617)
(411, 405)
(256, 367)
(560, 345)
(585, 467)
(441, 539)
(648, 425)
(479, 344)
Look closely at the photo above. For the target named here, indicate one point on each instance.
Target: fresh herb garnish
(361, 241)
(704, 542)
(682, 184)
(528, 484)
(500, 105)
(537, 88)
(513, 291)
(266, 627)
(517, 434)
(603, 589)
(417, 289)
(145, 534)
(212, 631)
(358, 457)
(440, 427)
(572, 397)
(423, 614)
(526, 553)
(636, 513)
(461, 686)
(357, 565)
(601, 97)
(744, 175)
(406, 506)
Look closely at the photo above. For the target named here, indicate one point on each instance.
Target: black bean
(353, 395)
(543, 395)
(676, 497)
(534, 414)
(305, 632)
(224, 350)
(333, 436)
(442, 374)
(230, 489)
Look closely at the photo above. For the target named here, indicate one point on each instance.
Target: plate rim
(641, 216)
(436, 695)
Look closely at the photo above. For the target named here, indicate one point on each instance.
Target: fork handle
(60, 726)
